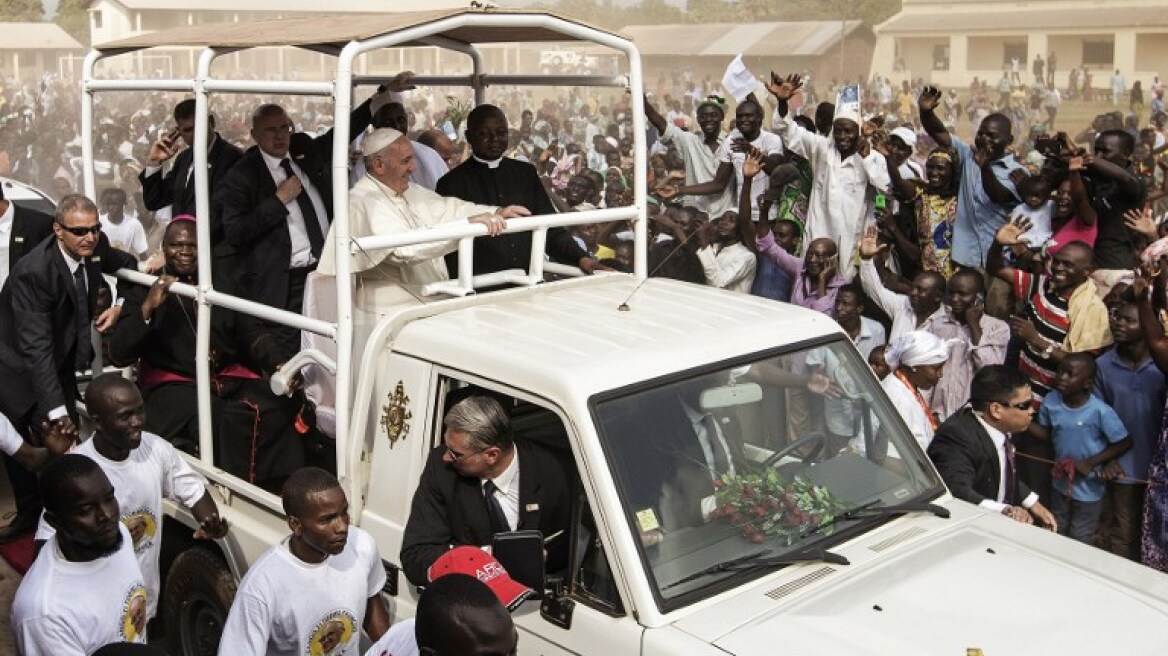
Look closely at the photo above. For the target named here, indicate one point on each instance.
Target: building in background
(949, 42)
(29, 50)
(785, 47)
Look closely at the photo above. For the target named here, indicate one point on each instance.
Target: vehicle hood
(986, 583)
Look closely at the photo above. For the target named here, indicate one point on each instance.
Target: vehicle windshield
(729, 471)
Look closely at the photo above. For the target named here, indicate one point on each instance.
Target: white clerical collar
(491, 163)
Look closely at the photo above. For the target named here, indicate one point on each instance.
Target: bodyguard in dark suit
(29, 228)
(468, 490)
(277, 203)
(491, 179)
(46, 309)
(974, 452)
(177, 188)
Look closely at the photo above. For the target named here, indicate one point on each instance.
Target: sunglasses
(81, 231)
(1021, 405)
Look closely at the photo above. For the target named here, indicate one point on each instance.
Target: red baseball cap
(481, 565)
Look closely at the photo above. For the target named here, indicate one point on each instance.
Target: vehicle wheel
(199, 590)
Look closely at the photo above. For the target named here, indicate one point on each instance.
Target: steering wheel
(817, 439)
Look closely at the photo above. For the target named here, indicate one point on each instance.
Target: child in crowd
(1038, 207)
(878, 363)
(1089, 437)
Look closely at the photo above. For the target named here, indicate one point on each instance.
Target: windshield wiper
(874, 509)
(757, 560)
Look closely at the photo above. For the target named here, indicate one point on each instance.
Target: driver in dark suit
(669, 451)
(482, 482)
(46, 308)
(973, 449)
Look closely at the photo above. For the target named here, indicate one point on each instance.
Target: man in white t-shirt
(316, 590)
(466, 560)
(84, 590)
(746, 138)
(143, 468)
(698, 151)
(125, 233)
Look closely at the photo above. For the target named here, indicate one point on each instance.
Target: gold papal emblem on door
(395, 415)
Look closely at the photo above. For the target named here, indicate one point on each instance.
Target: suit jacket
(512, 183)
(255, 222)
(29, 229)
(664, 470)
(38, 330)
(175, 189)
(449, 509)
(968, 462)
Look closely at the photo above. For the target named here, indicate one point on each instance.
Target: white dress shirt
(999, 439)
(731, 267)
(301, 248)
(508, 492)
(5, 240)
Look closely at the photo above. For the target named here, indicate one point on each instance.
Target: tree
(22, 11)
(73, 17)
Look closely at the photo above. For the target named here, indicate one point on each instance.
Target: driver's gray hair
(483, 419)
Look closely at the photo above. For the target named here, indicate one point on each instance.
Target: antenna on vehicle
(624, 307)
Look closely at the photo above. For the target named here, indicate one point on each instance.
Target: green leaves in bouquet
(768, 506)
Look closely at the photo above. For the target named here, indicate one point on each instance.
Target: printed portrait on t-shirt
(134, 614)
(143, 527)
(332, 633)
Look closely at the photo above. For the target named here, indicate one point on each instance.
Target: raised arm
(655, 118)
(1079, 198)
(1008, 235)
(927, 104)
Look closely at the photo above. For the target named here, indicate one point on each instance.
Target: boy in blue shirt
(1088, 432)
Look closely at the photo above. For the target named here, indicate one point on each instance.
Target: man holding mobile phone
(176, 188)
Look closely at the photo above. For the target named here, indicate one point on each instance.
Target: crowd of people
(1009, 291)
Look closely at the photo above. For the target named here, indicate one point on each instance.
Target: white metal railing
(341, 88)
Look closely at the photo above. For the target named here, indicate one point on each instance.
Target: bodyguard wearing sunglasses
(481, 481)
(974, 452)
(46, 309)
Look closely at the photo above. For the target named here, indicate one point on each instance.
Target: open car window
(756, 460)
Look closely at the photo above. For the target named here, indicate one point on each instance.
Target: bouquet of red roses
(766, 505)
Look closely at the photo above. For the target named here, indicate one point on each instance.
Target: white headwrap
(916, 348)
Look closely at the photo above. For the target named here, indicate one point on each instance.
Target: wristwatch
(1049, 350)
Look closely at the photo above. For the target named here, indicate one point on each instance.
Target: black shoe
(22, 524)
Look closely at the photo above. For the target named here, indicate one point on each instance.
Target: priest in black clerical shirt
(491, 179)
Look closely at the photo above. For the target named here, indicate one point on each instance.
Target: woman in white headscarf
(917, 360)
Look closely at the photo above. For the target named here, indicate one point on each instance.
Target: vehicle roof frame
(341, 90)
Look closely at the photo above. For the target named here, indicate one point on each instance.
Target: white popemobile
(802, 550)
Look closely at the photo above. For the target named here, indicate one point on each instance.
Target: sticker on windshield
(647, 519)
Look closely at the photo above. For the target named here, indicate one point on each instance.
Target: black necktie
(1011, 472)
(84, 340)
(494, 509)
(311, 221)
(721, 458)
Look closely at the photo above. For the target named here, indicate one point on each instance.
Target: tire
(199, 591)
